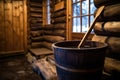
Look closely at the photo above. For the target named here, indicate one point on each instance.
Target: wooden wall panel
(25, 25)
(16, 26)
(13, 27)
(2, 29)
(21, 8)
(8, 25)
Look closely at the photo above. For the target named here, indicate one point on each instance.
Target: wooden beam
(59, 6)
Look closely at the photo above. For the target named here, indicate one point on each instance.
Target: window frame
(81, 15)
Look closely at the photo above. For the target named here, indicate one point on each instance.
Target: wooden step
(40, 52)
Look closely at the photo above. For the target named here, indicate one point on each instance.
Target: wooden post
(25, 24)
(69, 20)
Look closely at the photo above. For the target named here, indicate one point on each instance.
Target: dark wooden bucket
(85, 63)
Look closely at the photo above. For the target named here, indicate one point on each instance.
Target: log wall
(43, 35)
(59, 17)
(107, 30)
(35, 22)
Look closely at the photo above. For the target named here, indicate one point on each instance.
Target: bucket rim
(105, 45)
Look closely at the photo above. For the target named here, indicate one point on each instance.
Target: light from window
(82, 14)
(48, 11)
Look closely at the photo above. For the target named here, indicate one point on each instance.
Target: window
(46, 13)
(82, 15)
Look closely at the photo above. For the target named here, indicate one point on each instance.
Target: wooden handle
(91, 27)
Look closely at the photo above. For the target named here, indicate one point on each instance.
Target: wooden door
(13, 26)
(79, 18)
(2, 29)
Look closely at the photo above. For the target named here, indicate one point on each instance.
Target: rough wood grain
(41, 51)
(111, 28)
(13, 26)
(2, 27)
(8, 26)
(113, 42)
(110, 13)
(111, 65)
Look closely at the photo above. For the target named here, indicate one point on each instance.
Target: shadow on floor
(16, 68)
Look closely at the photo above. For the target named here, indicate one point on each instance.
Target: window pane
(85, 7)
(48, 8)
(76, 25)
(48, 18)
(48, 11)
(92, 8)
(78, 0)
(48, 2)
(74, 1)
(76, 9)
(84, 23)
(91, 1)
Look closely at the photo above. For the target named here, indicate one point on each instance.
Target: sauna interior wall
(13, 26)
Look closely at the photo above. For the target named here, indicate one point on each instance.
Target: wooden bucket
(85, 63)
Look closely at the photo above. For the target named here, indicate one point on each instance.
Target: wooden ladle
(91, 27)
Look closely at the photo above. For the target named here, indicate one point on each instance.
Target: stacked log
(51, 35)
(42, 37)
(110, 13)
(59, 18)
(43, 64)
(56, 31)
(107, 29)
(35, 23)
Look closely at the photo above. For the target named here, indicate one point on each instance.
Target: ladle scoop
(91, 27)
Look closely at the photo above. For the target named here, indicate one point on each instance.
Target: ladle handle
(91, 27)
